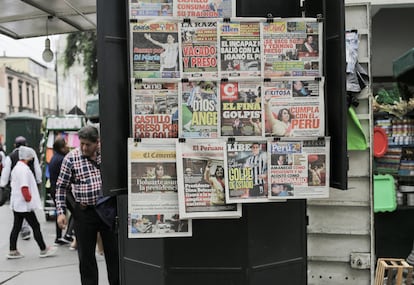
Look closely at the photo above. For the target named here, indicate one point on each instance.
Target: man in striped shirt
(80, 173)
(257, 161)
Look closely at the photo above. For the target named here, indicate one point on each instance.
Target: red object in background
(380, 142)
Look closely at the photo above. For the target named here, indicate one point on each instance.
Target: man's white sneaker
(49, 251)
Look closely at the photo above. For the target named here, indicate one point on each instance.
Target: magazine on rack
(241, 109)
(155, 48)
(240, 49)
(292, 47)
(150, 8)
(153, 210)
(205, 8)
(199, 49)
(294, 107)
(202, 180)
(299, 169)
(247, 168)
(198, 101)
(154, 109)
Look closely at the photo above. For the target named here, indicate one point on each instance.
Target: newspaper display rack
(233, 108)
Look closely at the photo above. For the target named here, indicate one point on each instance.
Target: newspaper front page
(241, 109)
(150, 8)
(247, 171)
(155, 109)
(199, 49)
(204, 8)
(152, 191)
(292, 47)
(299, 169)
(155, 48)
(199, 106)
(240, 49)
(202, 180)
(294, 107)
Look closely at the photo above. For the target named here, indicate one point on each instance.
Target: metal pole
(57, 83)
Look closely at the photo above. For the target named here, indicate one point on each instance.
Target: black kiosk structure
(268, 245)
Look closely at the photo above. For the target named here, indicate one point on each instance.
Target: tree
(81, 48)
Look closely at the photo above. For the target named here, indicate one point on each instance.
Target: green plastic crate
(385, 197)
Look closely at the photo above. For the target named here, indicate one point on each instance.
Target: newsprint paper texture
(182, 8)
(247, 166)
(292, 47)
(294, 107)
(198, 101)
(202, 184)
(152, 191)
(299, 169)
(205, 8)
(241, 109)
(199, 49)
(154, 109)
(240, 49)
(154, 48)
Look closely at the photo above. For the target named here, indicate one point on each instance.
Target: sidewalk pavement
(60, 269)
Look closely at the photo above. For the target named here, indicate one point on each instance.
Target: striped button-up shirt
(82, 176)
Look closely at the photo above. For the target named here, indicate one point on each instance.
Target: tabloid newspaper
(292, 47)
(152, 191)
(240, 49)
(202, 180)
(204, 8)
(155, 110)
(299, 169)
(247, 168)
(241, 109)
(198, 103)
(150, 8)
(294, 107)
(199, 49)
(155, 48)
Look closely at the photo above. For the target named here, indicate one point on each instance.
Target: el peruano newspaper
(202, 184)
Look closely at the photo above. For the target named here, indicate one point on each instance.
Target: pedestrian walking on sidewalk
(24, 199)
(9, 163)
(80, 172)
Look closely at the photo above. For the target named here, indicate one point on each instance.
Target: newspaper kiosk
(67, 127)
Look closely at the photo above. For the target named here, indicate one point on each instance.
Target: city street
(61, 269)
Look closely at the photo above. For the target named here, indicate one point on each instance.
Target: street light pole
(57, 83)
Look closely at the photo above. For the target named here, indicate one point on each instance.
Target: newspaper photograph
(199, 106)
(247, 168)
(204, 8)
(199, 49)
(294, 107)
(299, 169)
(155, 48)
(150, 8)
(153, 210)
(154, 109)
(202, 180)
(292, 47)
(241, 109)
(240, 49)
